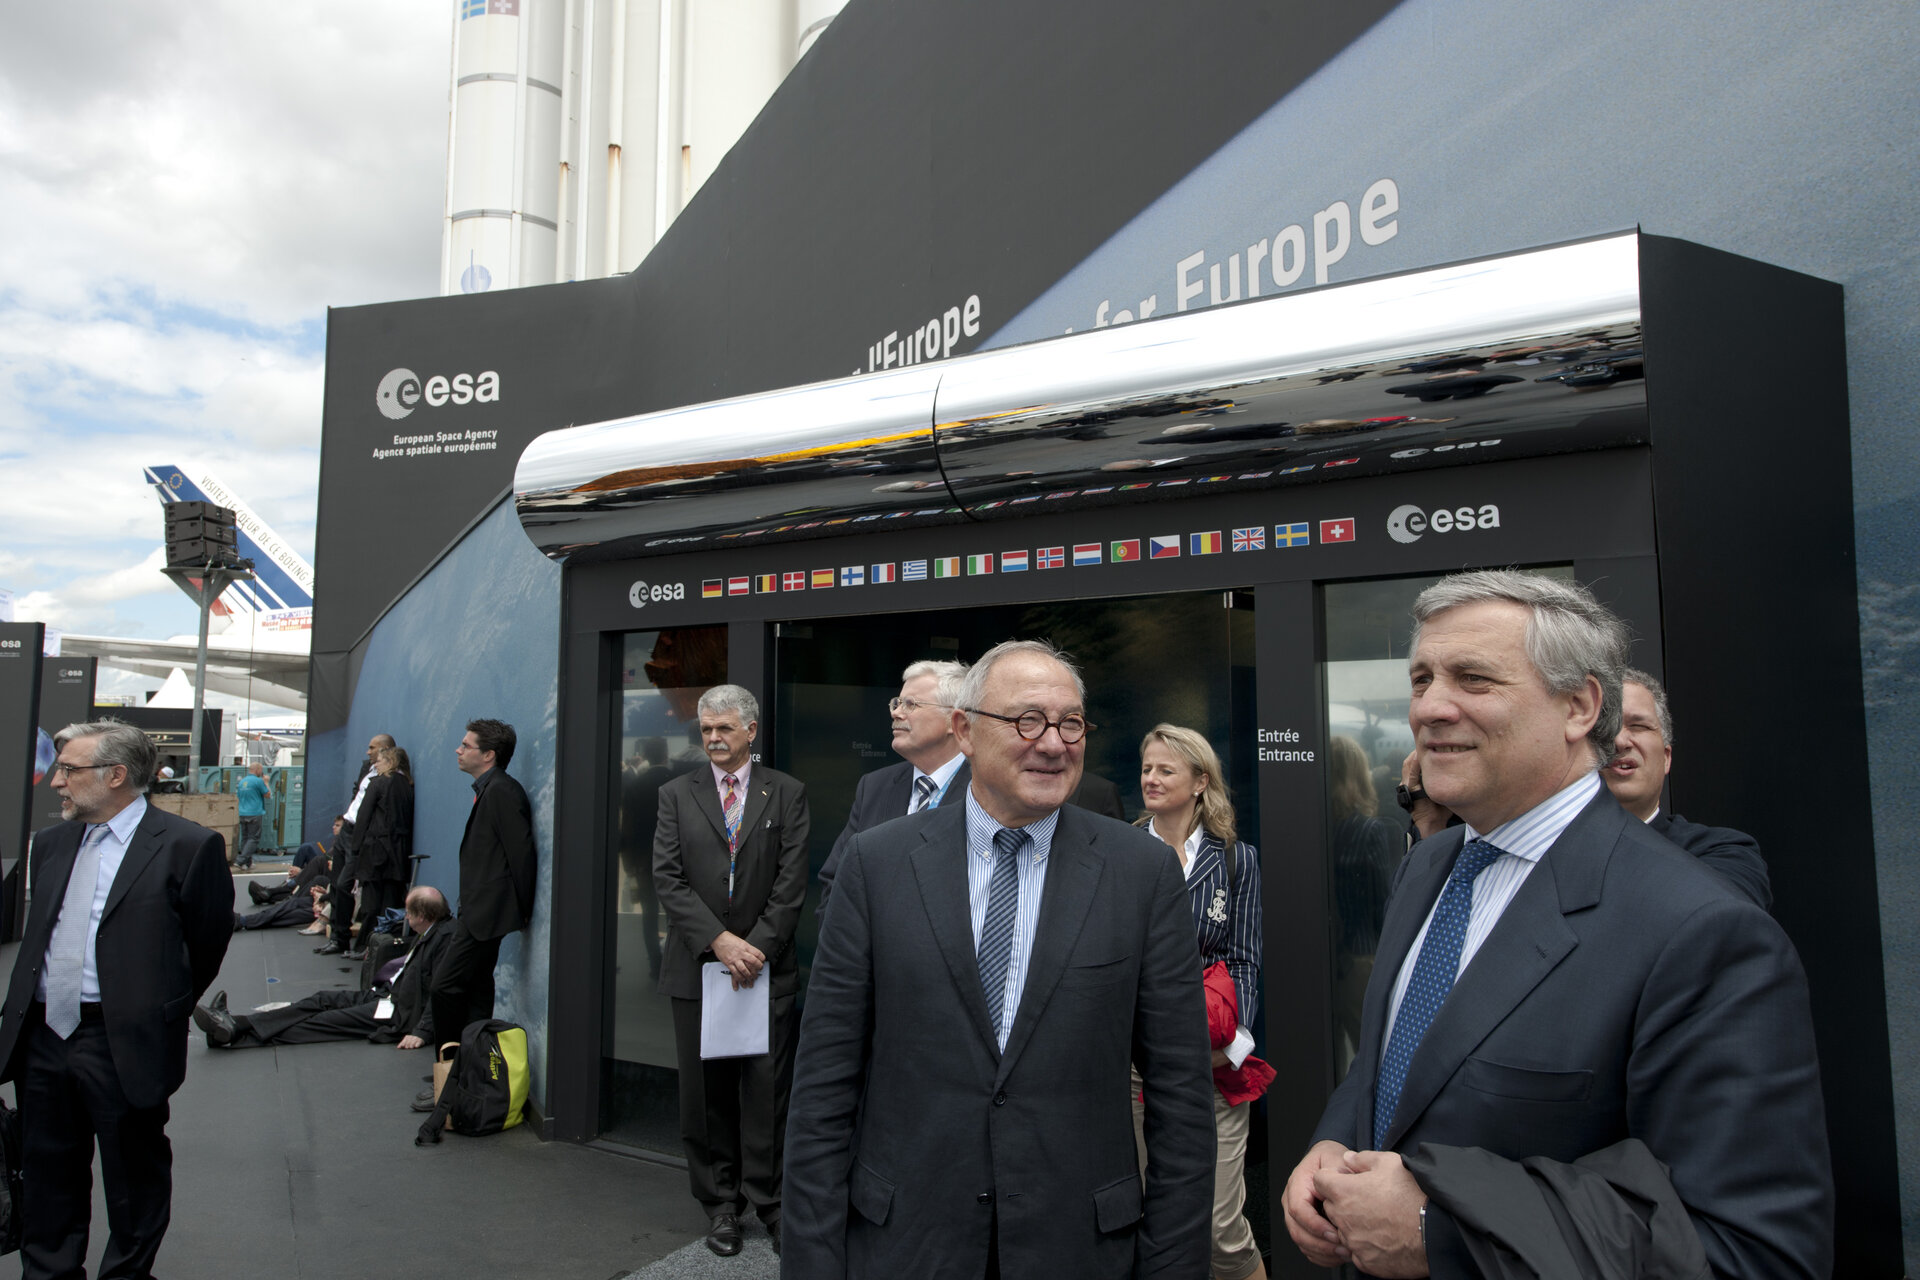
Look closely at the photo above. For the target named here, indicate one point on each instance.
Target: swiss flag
(1336, 530)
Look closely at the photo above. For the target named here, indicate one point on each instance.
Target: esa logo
(9, 644)
(660, 592)
(403, 390)
(1408, 523)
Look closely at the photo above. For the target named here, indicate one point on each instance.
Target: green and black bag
(486, 1085)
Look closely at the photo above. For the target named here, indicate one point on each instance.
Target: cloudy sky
(184, 190)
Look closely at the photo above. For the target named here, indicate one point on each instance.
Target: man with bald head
(988, 971)
(1562, 1004)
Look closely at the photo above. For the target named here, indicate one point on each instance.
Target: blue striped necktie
(1433, 974)
(996, 930)
(922, 792)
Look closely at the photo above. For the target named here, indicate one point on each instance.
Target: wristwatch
(1408, 796)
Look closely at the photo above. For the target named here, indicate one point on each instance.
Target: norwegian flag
(1050, 558)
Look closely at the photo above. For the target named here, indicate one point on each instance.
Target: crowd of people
(1029, 1034)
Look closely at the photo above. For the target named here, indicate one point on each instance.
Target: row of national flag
(1079, 555)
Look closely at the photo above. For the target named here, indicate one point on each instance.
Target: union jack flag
(1254, 539)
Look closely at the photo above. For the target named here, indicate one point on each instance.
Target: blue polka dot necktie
(995, 952)
(1433, 974)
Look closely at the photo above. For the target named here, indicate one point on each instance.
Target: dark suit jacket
(909, 1131)
(1098, 795)
(497, 860)
(168, 919)
(690, 874)
(882, 796)
(1626, 992)
(385, 843)
(412, 1010)
(1734, 854)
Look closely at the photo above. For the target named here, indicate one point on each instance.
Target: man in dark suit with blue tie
(1553, 980)
(730, 865)
(961, 1099)
(931, 767)
(132, 912)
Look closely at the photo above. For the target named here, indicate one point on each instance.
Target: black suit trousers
(70, 1098)
(463, 982)
(325, 1015)
(733, 1113)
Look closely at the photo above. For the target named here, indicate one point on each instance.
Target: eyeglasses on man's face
(910, 705)
(1033, 726)
(65, 770)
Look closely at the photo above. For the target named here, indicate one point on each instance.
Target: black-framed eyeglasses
(66, 770)
(1033, 726)
(911, 705)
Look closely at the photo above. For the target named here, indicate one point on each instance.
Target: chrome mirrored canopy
(1532, 353)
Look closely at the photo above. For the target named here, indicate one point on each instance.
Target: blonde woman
(1187, 807)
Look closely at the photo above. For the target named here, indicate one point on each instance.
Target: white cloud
(188, 188)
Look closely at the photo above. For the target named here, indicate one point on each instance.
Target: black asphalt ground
(299, 1162)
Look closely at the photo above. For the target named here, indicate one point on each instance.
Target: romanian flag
(713, 587)
(821, 579)
(1204, 544)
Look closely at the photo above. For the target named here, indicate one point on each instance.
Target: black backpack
(486, 1086)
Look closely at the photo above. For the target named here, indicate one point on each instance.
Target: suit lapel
(1073, 874)
(1530, 939)
(141, 851)
(940, 869)
(753, 805)
(706, 798)
(50, 886)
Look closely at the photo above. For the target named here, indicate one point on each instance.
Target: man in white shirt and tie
(931, 769)
(131, 914)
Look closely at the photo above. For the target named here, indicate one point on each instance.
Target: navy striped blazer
(1226, 917)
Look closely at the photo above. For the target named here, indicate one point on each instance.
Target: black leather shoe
(255, 892)
(773, 1234)
(217, 1023)
(357, 954)
(724, 1236)
(331, 949)
(219, 1001)
(422, 1101)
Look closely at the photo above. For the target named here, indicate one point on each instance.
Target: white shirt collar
(944, 774)
(122, 824)
(1533, 832)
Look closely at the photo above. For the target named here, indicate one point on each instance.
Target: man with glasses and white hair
(730, 865)
(931, 767)
(1557, 985)
(987, 973)
(131, 915)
